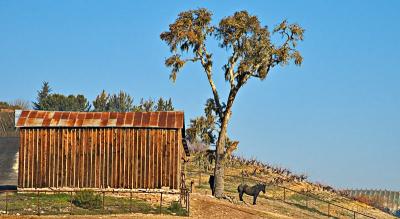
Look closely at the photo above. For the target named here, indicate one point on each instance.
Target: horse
(251, 190)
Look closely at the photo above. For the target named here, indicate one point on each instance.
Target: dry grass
(295, 205)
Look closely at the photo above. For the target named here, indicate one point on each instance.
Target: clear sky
(335, 118)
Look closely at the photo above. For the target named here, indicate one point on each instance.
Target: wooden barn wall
(99, 158)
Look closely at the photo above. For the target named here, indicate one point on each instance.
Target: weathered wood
(139, 159)
(129, 158)
(20, 165)
(135, 159)
(36, 168)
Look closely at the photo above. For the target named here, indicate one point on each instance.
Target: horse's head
(263, 187)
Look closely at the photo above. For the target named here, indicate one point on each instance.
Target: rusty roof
(168, 119)
(164, 119)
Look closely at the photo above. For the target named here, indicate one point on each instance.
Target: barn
(100, 150)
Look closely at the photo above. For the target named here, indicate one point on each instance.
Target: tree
(121, 102)
(4, 105)
(100, 104)
(78, 103)
(42, 94)
(59, 102)
(252, 54)
(15, 104)
(20, 104)
(150, 105)
(202, 129)
(164, 105)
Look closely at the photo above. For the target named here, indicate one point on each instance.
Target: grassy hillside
(288, 195)
(386, 200)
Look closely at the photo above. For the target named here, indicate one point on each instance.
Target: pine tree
(121, 102)
(100, 104)
(41, 96)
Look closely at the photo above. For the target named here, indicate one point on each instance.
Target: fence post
(284, 194)
(6, 202)
(103, 200)
(161, 203)
(130, 203)
(354, 214)
(70, 203)
(199, 178)
(188, 203)
(186, 200)
(329, 210)
(38, 203)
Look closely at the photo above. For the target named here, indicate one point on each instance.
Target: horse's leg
(255, 198)
(241, 196)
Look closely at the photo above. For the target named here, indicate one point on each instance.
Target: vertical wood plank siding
(128, 158)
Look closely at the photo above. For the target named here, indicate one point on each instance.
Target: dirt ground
(206, 206)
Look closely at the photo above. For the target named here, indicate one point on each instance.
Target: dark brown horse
(251, 190)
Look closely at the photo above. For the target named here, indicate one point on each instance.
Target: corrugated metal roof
(165, 119)
(33, 118)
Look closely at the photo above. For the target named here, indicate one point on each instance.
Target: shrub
(176, 207)
(87, 199)
(375, 201)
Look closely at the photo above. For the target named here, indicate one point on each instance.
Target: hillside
(287, 195)
(389, 200)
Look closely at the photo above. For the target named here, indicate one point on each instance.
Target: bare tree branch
(207, 65)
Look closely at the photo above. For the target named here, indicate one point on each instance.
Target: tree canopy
(104, 102)
(251, 54)
(123, 102)
(58, 102)
(15, 104)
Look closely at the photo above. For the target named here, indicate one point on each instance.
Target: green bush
(176, 207)
(87, 199)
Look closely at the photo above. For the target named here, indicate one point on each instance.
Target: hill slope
(386, 199)
(287, 195)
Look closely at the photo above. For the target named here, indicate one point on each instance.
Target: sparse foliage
(20, 104)
(15, 104)
(252, 54)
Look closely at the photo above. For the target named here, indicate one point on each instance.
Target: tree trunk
(220, 161)
(220, 150)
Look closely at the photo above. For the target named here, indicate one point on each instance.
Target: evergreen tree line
(104, 102)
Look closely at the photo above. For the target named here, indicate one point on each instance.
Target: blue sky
(335, 118)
